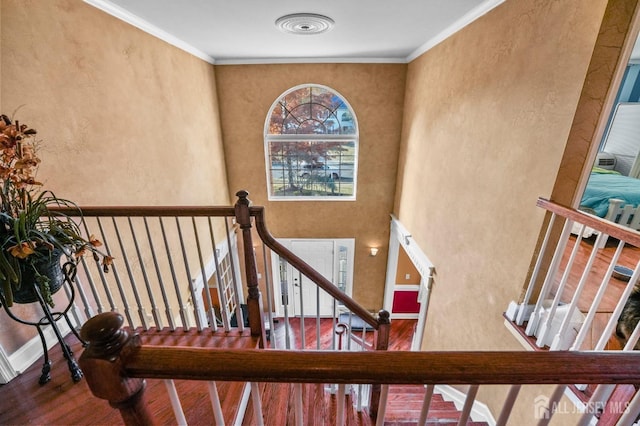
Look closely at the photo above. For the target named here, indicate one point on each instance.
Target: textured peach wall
(376, 94)
(487, 117)
(125, 118)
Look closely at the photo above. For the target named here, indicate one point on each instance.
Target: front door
(333, 259)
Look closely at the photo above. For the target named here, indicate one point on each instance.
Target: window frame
(302, 137)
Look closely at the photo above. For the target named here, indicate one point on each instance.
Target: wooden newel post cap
(104, 363)
(384, 317)
(105, 335)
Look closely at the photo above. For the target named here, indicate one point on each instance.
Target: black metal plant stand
(50, 318)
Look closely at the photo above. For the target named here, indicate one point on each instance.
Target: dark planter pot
(47, 266)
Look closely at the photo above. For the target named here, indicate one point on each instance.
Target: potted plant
(33, 236)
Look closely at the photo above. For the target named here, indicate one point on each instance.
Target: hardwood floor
(62, 402)
(629, 258)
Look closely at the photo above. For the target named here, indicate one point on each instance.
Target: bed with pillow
(604, 185)
(612, 196)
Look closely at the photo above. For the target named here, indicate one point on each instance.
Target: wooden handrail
(615, 230)
(385, 367)
(148, 211)
(123, 358)
(307, 270)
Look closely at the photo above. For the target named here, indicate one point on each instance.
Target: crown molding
(474, 14)
(145, 26)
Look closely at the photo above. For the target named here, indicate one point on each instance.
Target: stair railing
(116, 366)
(192, 266)
(167, 253)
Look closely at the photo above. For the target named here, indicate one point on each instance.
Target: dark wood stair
(405, 402)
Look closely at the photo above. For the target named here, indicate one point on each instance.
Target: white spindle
(132, 281)
(534, 319)
(558, 343)
(94, 291)
(155, 312)
(520, 318)
(183, 309)
(512, 395)
(211, 316)
(426, 404)
(222, 294)
(257, 404)
(593, 309)
(545, 417)
(317, 317)
(175, 402)
(340, 403)
(613, 320)
(382, 407)
(468, 405)
(546, 324)
(116, 276)
(303, 340)
(215, 403)
(197, 309)
(297, 389)
(602, 393)
(270, 307)
(163, 290)
(237, 284)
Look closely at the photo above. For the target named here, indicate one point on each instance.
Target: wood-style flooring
(62, 402)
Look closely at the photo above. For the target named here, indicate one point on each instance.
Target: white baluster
(175, 403)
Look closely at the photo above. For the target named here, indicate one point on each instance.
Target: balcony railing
(578, 292)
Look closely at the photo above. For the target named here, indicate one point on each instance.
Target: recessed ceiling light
(304, 23)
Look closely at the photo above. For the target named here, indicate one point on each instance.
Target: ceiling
(244, 31)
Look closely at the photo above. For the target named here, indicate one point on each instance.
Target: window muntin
(311, 143)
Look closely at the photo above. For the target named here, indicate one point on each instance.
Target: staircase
(404, 404)
(403, 407)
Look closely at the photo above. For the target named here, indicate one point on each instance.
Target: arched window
(311, 146)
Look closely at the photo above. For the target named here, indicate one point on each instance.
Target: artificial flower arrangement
(33, 235)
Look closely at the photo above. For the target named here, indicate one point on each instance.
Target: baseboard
(479, 412)
(6, 369)
(16, 363)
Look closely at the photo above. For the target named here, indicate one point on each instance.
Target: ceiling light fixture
(304, 23)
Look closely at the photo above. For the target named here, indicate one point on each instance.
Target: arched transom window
(311, 146)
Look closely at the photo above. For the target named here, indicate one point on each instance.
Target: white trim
(407, 288)
(400, 236)
(329, 60)
(136, 21)
(16, 363)
(467, 19)
(7, 372)
(480, 412)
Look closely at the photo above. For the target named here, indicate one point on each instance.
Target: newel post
(254, 298)
(382, 344)
(103, 363)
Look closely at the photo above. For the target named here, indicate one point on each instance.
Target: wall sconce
(373, 251)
